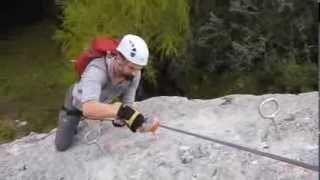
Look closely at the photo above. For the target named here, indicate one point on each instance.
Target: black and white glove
(131, 117)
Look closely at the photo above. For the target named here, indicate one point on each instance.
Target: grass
(34, 77)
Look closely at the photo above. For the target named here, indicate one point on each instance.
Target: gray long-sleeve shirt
(96, 84)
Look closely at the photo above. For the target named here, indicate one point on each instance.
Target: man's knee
(62, 145)
(69, 118)
(63, 139)
(64, 134)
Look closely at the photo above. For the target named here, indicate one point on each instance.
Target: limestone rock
(171, 155)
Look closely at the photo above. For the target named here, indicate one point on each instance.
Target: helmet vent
(133, 50)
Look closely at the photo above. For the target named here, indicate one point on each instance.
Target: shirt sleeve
(128, 97)
(91, 83)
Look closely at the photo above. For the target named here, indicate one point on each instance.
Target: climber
(114, 74)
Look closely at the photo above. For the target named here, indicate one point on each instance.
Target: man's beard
(128, 77)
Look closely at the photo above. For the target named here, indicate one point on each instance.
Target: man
(103, 79)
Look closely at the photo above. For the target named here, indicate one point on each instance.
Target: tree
(252, 46)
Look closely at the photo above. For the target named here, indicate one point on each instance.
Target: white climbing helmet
(134, 49)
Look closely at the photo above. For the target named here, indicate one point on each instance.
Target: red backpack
(100, 47)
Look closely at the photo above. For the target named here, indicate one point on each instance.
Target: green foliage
(256, 47)
(151, 73)
(285, 78)
(293, 77)
(7, 129)
(163, 24)
(254, 32)
(33, 68)
(34, 77)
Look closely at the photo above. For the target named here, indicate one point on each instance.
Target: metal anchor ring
(272, 115)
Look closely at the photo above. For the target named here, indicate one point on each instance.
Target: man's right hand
(132, 117)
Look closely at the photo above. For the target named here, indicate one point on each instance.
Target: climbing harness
(271, 116)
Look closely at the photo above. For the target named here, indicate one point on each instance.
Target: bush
(163, 24)
(253, 47)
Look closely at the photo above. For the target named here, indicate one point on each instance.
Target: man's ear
(119, 60)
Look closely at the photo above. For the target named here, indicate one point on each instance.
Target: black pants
(69, 118)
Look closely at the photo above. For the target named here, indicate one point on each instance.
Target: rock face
(171, 155)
